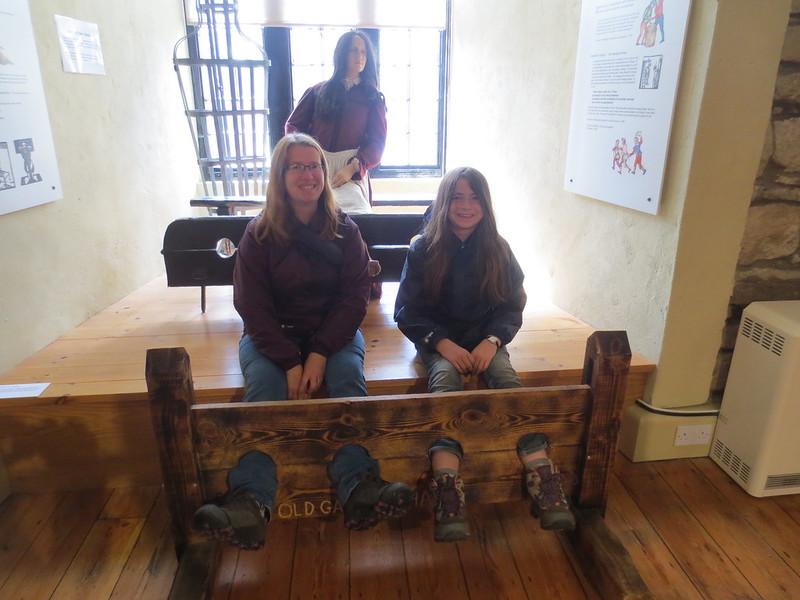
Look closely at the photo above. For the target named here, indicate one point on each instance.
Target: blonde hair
(277, 218)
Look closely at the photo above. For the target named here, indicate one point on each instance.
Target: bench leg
(603, 560)
(194, 579)
(203, 299)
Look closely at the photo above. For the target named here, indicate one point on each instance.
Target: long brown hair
(493, 252)
(277, 219)
(332, 94)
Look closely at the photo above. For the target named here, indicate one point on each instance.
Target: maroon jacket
(361, 125)
(285, 292)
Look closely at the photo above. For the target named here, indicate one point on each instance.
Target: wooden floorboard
(21, 520)
(487, 560)
(703, 558)
(109, 347)
(652, 557)
(744, 546)
(380, 557)
(544, 568)
(433, 570)
(55, 545)
(151, 566)
(100, 560)
(321, 567)
(765, 516)
(690, 530)
(262, 574)
(226, 572)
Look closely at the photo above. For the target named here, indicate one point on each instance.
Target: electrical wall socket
(693, 435)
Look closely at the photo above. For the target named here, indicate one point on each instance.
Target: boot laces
(449, 495)
(550, 490)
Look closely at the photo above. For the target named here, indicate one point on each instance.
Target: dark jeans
(255, 474)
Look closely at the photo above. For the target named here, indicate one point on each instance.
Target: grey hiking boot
(450, 509)
(549, 501)
(240, 521)
(544, 484)
(373, 500)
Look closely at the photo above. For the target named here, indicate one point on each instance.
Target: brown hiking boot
(240, 521)
(374, 500)
(450, 509)
(549, 501)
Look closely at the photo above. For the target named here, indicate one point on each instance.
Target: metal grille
(763, 336)
(227, 113)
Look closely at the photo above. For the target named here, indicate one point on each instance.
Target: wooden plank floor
(105, 354)
(690, 530)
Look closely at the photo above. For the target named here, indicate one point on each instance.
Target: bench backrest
(199, 443)
(190, 245)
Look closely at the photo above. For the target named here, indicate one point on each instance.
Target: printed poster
(626, 79)
(79, 42)
(28, 168)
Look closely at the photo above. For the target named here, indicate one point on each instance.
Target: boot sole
(213, 522)
(451, 532)
(394, 501)
(559, 524)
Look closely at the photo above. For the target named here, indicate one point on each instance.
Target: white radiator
(757, 438)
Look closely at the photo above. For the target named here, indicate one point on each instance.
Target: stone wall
(769, 261)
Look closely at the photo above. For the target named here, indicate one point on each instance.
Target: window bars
(227, 72)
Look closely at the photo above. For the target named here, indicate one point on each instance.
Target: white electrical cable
(676, 412)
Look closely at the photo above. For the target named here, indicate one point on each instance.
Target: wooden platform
(690, 530)
(91, 427)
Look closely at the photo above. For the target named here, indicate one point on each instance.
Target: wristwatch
(495, 340)
(427, 339)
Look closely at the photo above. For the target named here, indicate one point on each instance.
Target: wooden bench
(199, 443)
(191, 258)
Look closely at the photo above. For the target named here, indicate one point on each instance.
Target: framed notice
(28, 167)
(623, 98)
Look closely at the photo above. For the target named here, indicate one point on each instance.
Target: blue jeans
(255, 474)
(264, 380)
(352, 464)
(444, 377)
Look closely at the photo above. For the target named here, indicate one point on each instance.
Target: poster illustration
(626, 78)
(28, 168)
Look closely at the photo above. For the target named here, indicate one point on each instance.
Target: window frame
(276, 41)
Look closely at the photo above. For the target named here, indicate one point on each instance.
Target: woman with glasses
(301, 286)
(347, 116)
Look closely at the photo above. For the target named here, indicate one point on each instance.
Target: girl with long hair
(460, 302)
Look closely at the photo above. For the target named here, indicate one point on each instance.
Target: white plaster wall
(608, 265)
(127, 169)
(734, 115)
(509, 111)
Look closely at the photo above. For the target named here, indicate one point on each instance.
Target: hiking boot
(450, 509)
(240, 521)
(373, 500)
(549, 501)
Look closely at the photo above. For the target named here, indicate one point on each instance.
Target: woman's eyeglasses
(300, 167)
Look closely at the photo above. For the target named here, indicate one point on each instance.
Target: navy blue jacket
(461, 315)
